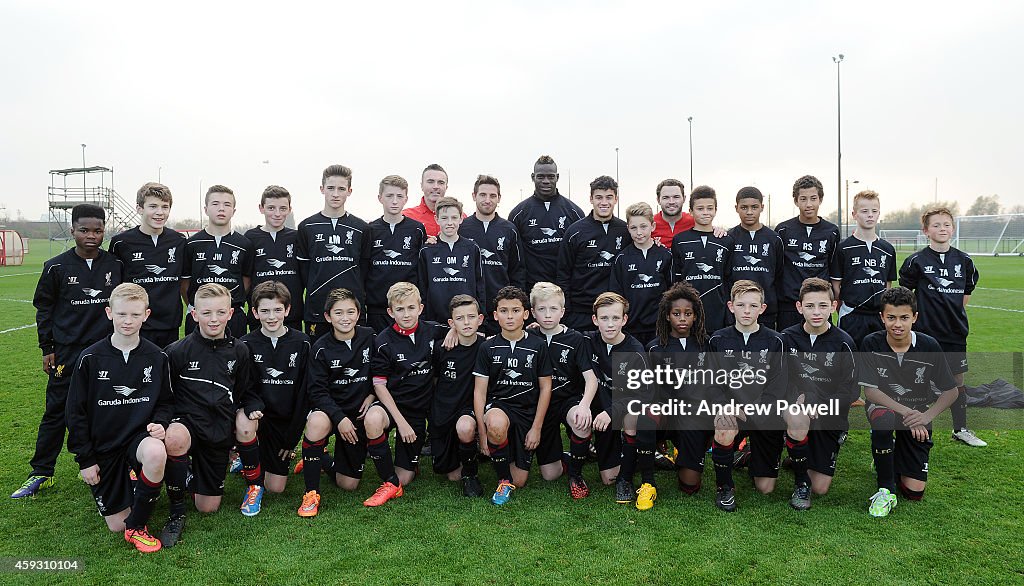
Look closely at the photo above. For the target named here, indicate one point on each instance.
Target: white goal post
(993, 235)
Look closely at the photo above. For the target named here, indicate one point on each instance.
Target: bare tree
(985, 205)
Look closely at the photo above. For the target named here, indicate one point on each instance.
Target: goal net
(990, 235)
(904, 240)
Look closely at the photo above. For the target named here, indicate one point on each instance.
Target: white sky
(208, 91)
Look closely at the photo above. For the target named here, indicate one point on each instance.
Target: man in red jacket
(671, 220)
(434, 182)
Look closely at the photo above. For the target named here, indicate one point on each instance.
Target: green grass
(966, 530)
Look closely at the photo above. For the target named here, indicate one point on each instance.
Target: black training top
(940, 281)
(223, 260)
(541, 226)
(70, 299)
(705, 261)
(333, 253)
(156, 266)
(275, 260)
(809, 250)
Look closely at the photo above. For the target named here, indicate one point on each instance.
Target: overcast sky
(208, 91)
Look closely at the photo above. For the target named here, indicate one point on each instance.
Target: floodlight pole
(839, 141)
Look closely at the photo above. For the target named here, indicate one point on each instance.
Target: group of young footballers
(485, 336)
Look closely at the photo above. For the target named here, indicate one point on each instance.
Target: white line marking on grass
(994, 289)
(996, 308)
(7, 331)
(18, 300)
(20, 274)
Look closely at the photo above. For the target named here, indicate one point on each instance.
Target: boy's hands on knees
(366, 406)
(156, 431)
(348, 431)
(483, 445)
(532, 439)
(91, 475)
(285, 455)
(407, 433)
(602, 421)
(915, 418)
(255, 415)
(581, 419)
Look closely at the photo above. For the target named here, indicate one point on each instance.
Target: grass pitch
(967, 529)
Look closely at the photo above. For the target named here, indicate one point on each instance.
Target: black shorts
(209, 463)
(114, 492)
(162, 338)
(766, 452)
(519, 423)
(823, 445)
(378, 322)
(550, 448)
(956, 357)
(272, 440)
(910, 455)
(444, 443)
(693, 448)
(407, 456)
(608, 443)
(350, 459)
(859, 324)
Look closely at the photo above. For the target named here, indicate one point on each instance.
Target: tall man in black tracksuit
(151, 255)
(216, 404)
(541, 221)
(588, 249)
(73, 288)
(397, 240)
(500, 249)
(119, 407)
(758, 253)
(810, 246)
(274, 253)
(218, 255)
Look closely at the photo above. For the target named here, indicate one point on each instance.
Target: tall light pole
(690, 120)
(159, 174)
(848, 182)
(83, 170)
(618, 205)
(839, 140)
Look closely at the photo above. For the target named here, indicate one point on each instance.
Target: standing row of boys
(364, 381)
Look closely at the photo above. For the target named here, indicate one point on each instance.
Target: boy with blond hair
(573, 388)
(119, 406)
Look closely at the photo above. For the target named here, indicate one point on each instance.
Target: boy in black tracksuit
(397, 241)
(151, 255)
(704, 260)
(216, 404)
(943, 278)
(500, 249)
(451, 266)
(73, 288)
(810, 245)
(274, 253)
(541, 221)
(340, 392)
(118, 409)
(748, 346)
(641, 273)
(453, 441)
(218, 255)
(588, 249)
(821, 368)
(403, 376)
(333, 249)
(758, 252)
(280, 355)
